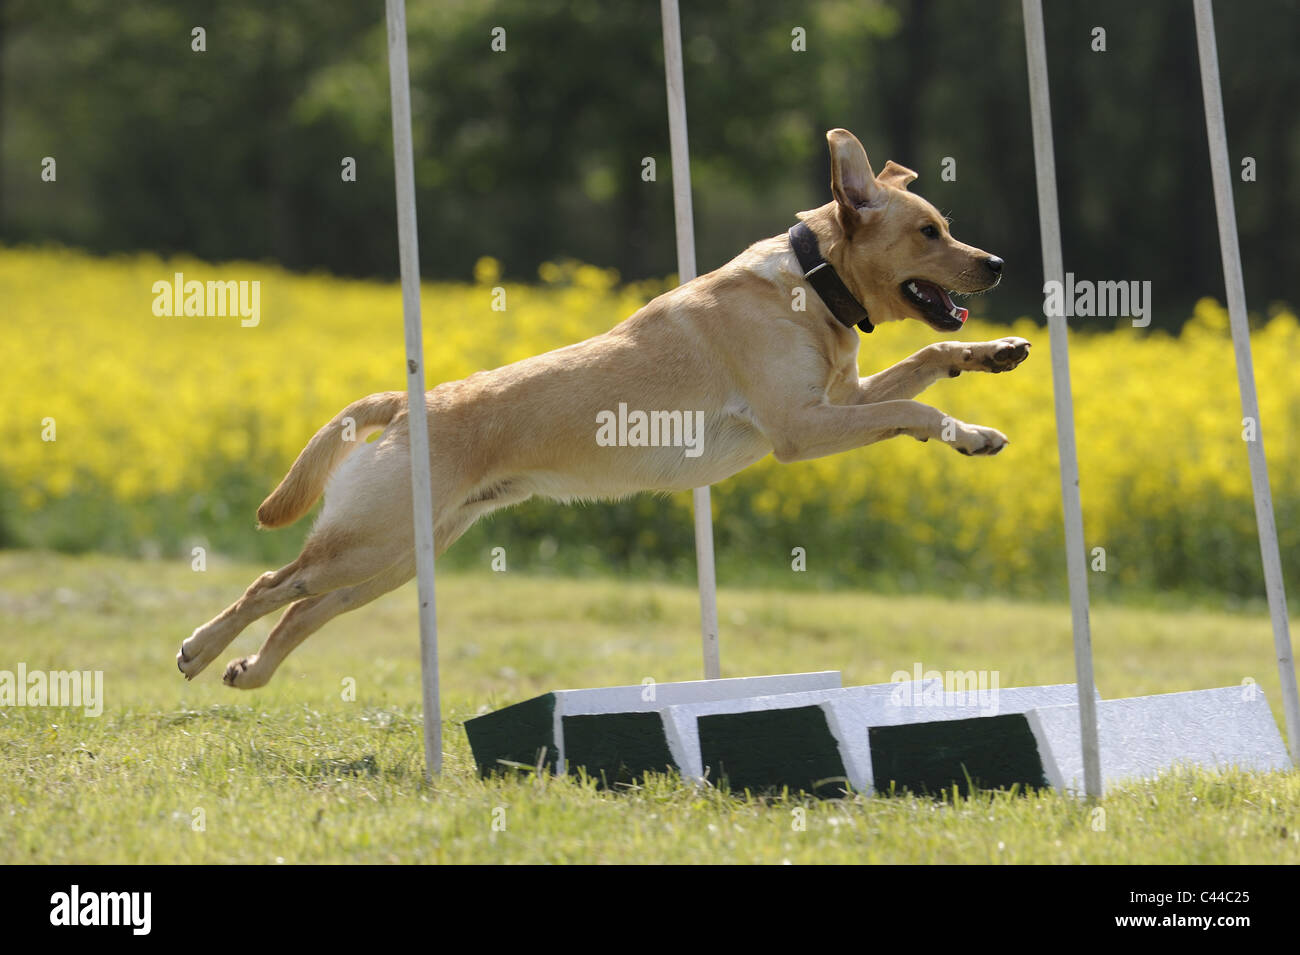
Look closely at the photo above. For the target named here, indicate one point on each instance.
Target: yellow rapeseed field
(154, 418)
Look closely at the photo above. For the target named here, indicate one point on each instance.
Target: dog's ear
(895, 175)
(852, 182)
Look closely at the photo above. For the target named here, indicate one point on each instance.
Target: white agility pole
(1049, 220)
(421, 482)
(1235, 285)
(685, 219)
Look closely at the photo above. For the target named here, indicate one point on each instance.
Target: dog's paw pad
(235, 670)
(981, 441)
(1009, 353)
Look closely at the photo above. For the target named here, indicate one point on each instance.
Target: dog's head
(892, 248)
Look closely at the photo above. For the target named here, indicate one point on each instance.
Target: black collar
(822, 276)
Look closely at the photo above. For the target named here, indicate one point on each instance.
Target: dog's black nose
(994, 264)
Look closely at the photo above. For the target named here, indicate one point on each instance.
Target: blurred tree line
(536, 152)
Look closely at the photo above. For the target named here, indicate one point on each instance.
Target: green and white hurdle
(616, 731)
(802, 732)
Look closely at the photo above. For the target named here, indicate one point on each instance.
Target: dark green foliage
(534, 154)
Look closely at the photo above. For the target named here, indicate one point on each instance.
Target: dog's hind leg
(331, 558)
(305, 617)
(267, 593)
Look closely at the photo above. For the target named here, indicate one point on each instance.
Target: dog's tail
(305, 481)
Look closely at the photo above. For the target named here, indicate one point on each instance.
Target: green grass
(296, 773)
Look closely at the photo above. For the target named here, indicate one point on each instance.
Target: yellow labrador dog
(759, 357)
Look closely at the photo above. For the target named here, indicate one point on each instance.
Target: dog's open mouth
(935, 304)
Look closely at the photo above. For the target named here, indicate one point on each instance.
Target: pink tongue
(959, 313)
(933, 292)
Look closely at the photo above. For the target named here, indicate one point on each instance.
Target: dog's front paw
(976, 439)
(995, 357)
(242, 675)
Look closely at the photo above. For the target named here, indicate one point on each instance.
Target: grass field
(179, 773)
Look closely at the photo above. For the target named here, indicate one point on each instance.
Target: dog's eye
(930, 232)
